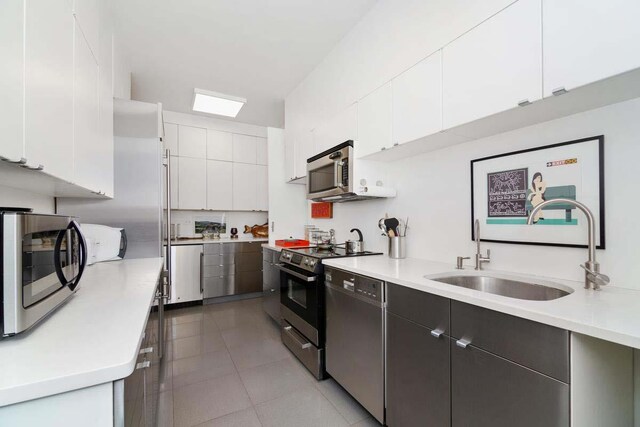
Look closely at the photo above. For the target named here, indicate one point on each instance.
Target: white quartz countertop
(611, 314)
(92, 339)
(201, 241)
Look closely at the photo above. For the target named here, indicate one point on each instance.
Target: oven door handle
(281, 267)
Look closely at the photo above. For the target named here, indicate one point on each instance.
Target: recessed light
(220, 104)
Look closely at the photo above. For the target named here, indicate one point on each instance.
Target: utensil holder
(397, 247)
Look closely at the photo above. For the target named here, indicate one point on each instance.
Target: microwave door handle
(337, 174)
(57, 250)
(82, 255)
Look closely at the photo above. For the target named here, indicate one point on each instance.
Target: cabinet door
(105, 94)
(192, 142)
(494, 66)
(192, 183)
(261, 152)
(219, 185)
(87, 13)
(374, 122)
(244, 148)
(12, 79)
(219, 145)
(417, 100)
(186, 272)
(87, 144)
(289, 155)
(586, 41)
(262, 202)
(418, 382)
(50, 95)
(244, 187)
(489, 391)
(170, 139)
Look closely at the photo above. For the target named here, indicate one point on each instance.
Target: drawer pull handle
(143, 365)
(292, 334)
(463, 343)
(437, 333)
(146, 350)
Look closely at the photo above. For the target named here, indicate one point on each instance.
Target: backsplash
(186, 221)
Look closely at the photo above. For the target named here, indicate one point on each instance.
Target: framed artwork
(505, 188)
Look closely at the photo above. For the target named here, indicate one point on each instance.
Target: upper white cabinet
(588, 40)
(262, 197)
(261, 153)
(219, 145)
(12, 79)
(374, 122)
(303, 149)
(219, 185)
(87, 152)
(495, 66)
(289, 155)
(192, 183)
(49, 89)
(170, 138)
(245, 188)
(340, 128)
(105, 94)
(417, 100)
(245, 149)
(87, 14)
(192, 142)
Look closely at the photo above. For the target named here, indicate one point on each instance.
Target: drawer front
(212, 248)
(219, 286)
(250, 261)
(219, 259)
(267, 255)
(423, 308)
(537, 346)
(248, 247)
(218, 270)
(489, 391)
(248, 282)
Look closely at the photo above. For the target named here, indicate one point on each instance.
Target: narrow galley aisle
(225, 365)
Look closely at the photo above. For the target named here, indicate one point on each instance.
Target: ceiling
(256, 49)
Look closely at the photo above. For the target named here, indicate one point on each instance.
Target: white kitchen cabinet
(340, 128)
(86, 139)
(49, 88)
(175, 177)
(87, 14)
(219, 145)
(417, 100)
(588, 40)
(245, 148)
(495, 66)
(170, 139)
(261, 151)
(289, 155)
(374, 121)
(192, 142)
(12, 79)
(262, 202)
(219, 185)
(244, 186)
(105, 94)
(304, 148)
(192, 183)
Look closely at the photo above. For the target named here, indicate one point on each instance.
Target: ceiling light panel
(205, 101)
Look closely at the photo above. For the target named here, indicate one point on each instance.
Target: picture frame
(506, 187)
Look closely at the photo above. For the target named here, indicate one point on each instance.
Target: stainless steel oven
(43, 258)
(329, 173)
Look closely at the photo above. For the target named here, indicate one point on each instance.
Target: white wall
(287, 202)
(440, 216)
(12, 197)
(121, 70)
(237, 219)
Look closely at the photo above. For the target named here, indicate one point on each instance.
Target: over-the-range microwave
(335, 175)
(43, 258)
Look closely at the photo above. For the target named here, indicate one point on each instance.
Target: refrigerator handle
(168, 225)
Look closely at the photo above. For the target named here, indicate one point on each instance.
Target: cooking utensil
(355, 246)
(391, 225)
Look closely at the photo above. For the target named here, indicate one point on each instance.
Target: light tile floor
(226, 366)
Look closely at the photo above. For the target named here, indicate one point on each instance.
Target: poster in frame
(506, 187)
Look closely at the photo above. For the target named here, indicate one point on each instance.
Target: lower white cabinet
(374, 122)
(187, 264)
(245, 189)
(192, 183)
(219, 185)
(495, 66)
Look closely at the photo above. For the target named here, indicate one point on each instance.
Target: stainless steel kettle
(355, 246)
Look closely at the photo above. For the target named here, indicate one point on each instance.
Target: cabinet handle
(383, 148)
(146, 350)
(396, 144)
(143, 365)
(32, 168)
(463, 343)
(559, 91)
(524, 103)
(22, 161)
(303, 345)
(437, 333)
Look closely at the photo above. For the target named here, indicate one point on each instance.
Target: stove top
(310, 259)
(330, 253)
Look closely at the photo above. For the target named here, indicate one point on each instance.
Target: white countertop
(201, 241)
(92, 339)
(611, 314)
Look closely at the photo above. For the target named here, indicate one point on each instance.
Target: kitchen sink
(507, 287)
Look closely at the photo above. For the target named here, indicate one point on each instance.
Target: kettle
(355, 246)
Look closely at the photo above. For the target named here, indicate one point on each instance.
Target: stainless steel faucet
(592, 276)
(480, 259)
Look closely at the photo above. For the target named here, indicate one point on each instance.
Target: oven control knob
(306, 262)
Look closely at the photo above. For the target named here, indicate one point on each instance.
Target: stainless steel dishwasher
(355, 336)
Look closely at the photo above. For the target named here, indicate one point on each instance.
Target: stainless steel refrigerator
(140, 196)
